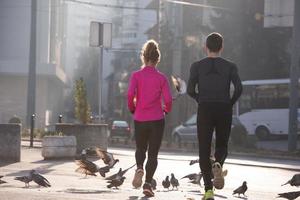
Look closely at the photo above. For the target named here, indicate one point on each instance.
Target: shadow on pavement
(197, 192)
(221, 196)
(245, 198)
(53, 161)
(4, 163)
(137, 198)
(85, 191)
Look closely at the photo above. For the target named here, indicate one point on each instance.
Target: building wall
(15, 19)
(14, 36)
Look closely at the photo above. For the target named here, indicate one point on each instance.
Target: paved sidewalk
(232, 159)
(264, 183)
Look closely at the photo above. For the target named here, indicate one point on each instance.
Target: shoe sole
(218, 180)
(137, 180)
(148, 193)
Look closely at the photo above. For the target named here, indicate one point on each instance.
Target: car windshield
(191, 120)
(120, 123)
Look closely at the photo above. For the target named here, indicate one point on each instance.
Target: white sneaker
(138, 176)
(219, 175)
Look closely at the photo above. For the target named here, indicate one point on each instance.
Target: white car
(265, 122)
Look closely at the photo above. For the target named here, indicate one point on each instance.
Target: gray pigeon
(289, 195)
(116, 182)
(194, 161)
(84, 153)
(39, 179)
(241, 190)
(197, 161)
(89, 168)
(295, 181)
(108, 158)
(194, 178)
(1, 181)
(174, 182)
(153, 184)
(166, 183)
(120, 173)
(25, 179)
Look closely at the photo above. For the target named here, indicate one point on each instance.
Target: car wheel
(176, 139)
(262, 133)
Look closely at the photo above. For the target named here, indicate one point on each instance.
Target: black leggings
(218, 117)
(148, 135)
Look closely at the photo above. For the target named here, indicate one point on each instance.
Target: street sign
(100, 34)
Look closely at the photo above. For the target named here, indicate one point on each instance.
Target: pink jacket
(147, 88)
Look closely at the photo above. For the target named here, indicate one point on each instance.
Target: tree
(82, 107)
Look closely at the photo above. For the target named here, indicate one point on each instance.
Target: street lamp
(100, 36)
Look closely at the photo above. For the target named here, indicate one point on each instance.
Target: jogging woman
(149, 99)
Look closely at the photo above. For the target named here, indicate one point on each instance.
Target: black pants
(148, 135)
(213, 116)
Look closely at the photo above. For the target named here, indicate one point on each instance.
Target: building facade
(14, 60)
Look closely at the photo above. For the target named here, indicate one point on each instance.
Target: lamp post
(294, 81)
(32, 129)
(100, 36)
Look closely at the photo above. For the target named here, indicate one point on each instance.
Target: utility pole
(294, 80)
(100, 36)
(31, 90)
(100, 75)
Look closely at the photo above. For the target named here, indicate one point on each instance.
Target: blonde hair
(150, 52)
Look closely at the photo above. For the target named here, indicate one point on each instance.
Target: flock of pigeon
(32, 176)
(294, 181)
(88, 167)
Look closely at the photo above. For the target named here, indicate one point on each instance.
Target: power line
(196, 4)
(107, 5)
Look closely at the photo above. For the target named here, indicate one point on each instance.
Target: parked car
(187, 132)
(120, 129)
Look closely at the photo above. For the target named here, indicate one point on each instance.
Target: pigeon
(107, 158)
(118, 181)
(83, 155)
(104, 170)
(25, 179)
(179, 84)
(1, 181)
(176, 83)
(289, 195)
(153, 184)
(241, 190)
(295, 181)
(174, 182)
(120, 173)
(194, 178)
(194, 161)
(166, 183)
(39, 179)
(89, 168)
(197, 161)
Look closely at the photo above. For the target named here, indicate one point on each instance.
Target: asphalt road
(264, 181)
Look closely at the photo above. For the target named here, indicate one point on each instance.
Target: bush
(39, 133)
(82, 107)
(14, 120)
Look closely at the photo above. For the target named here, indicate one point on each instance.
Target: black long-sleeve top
(210, 80)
